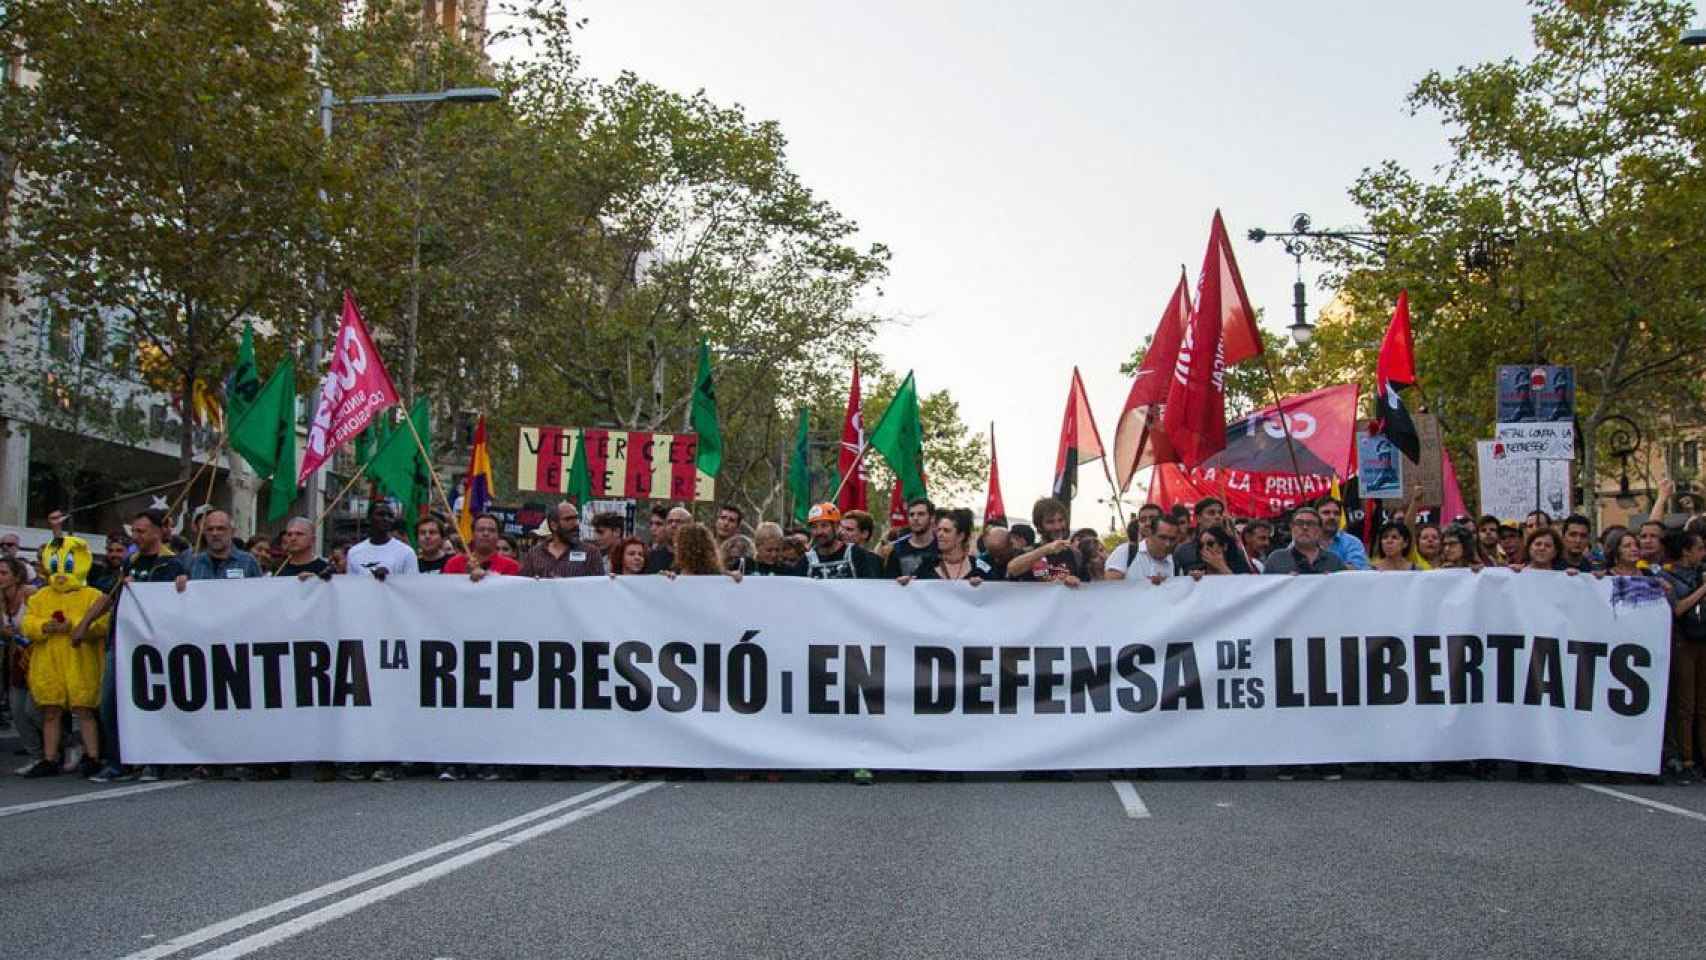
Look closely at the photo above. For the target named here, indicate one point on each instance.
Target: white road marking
(223, 927)
(93, 795)
(1632, 798)
(1133, 803)
(332, 911)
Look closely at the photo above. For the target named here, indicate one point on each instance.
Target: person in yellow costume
(65, 671)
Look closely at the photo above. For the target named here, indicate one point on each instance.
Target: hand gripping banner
(779, 673)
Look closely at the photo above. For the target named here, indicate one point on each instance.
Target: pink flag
(355, 390)
(1454, 506)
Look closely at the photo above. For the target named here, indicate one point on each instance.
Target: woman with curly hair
(695, 552)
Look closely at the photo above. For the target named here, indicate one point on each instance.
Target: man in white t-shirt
(1151, 560)
(381, 554)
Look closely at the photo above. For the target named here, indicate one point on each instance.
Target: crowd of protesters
(935, 544)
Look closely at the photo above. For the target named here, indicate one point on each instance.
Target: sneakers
(863, 777)
(149, 774)
(449, 775)
(382, 774)
(107, 774)
(41, 768)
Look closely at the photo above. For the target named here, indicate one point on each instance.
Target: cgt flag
(1221, 333)
(1080, 443)
(1397, 370)
(1138, 441)
(994, 508)
(355, 390)
(855, 491)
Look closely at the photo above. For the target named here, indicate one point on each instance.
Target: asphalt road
(905, 868)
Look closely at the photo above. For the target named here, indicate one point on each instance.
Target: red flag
(1080, 443)
(994, 508)
(1246, 493)
(355, 390)
(1221, 332)
(1395, 371)
(1454, 506)
(1322, 435)
(1136, 443)
(856, 492)
(897, 510)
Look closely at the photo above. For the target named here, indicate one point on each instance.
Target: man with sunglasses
(1153, 561)
(1305, 553)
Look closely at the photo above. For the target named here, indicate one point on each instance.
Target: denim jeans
(109, 711)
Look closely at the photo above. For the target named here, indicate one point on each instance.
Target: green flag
(283, 479)
(369, 442)
(580, 478)
(255, 433)
(799, 469)
(397, 467)
(265, 436)
(710, 458)
(244, 384)
(899, 437)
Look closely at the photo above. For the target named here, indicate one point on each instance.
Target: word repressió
(678, 677)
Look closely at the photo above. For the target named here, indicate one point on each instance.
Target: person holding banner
(630, 558)
(1687, 721)
(832, 559)
(563, 555)
(1053, 560)
(381, 554)
(952, 559)
(485, 558)
(769, 558)
(1347, 548)
(1392, 548)
(1150, 561)
(909, 552)
(1305, 553)
(1460, 550)
(432, 551)
(695, 553)
(1215, 550)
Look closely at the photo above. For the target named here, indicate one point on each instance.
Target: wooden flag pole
(1285, 423)
(467, 548)
(1119, 509)
(851, 471)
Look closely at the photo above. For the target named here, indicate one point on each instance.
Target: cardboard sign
(1429, 471)
(1512, 487)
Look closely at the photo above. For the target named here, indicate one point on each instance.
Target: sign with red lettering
(622, 463)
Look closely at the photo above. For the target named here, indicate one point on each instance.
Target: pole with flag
(1138, 440)
(899, 437)
(356, 388)
(1395, 371)
(1080, 444)
(994, 507)
(854, 494)
(477, 487)
(704, 416)
(397, 467)
(799, 468)
(264, 434)
(580, 476)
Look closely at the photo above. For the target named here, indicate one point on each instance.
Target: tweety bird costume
(62, 675)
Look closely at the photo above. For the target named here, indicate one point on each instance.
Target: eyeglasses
(1306, 523)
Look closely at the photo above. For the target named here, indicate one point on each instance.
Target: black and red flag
(1397, 370)
(1221, 333)
(1139, 440)
(1080, 443)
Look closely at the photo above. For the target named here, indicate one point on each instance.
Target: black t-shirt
(931, 569)
(161, 567)
(904, 558)
(315, 566)
(1187, 557)
(432, 566)
(849, 562)
(1053, 567)
(755, 568)
(660, 559)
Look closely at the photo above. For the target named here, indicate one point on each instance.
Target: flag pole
(426, 458)
(1119, 510)
(851, 471)
(1285, 424)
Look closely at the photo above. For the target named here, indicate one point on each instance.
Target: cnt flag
(396, 465)
(1080, 443)
(265, 435)
(1138, 441)
(1397, 370)
(704, 416)
(994, 508)
(799, 468)
(478, 486)
(855, 491)
(899, 437)
(1221, 333)
(580, 474)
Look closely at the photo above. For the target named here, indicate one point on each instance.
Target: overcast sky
(1040, 171)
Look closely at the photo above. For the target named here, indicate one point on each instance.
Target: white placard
(775, 673)
(1537, 441)
(1509, 487)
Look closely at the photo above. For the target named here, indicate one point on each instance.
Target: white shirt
(1136, 563)
(394, 555)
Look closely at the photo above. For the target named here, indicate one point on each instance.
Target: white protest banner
(774, 673)
(1537, 441)
(1508, 484)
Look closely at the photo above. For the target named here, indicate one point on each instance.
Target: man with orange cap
(65, 663)
(832, 559)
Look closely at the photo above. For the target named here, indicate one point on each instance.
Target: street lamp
(1296, 242)
(316, 349)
